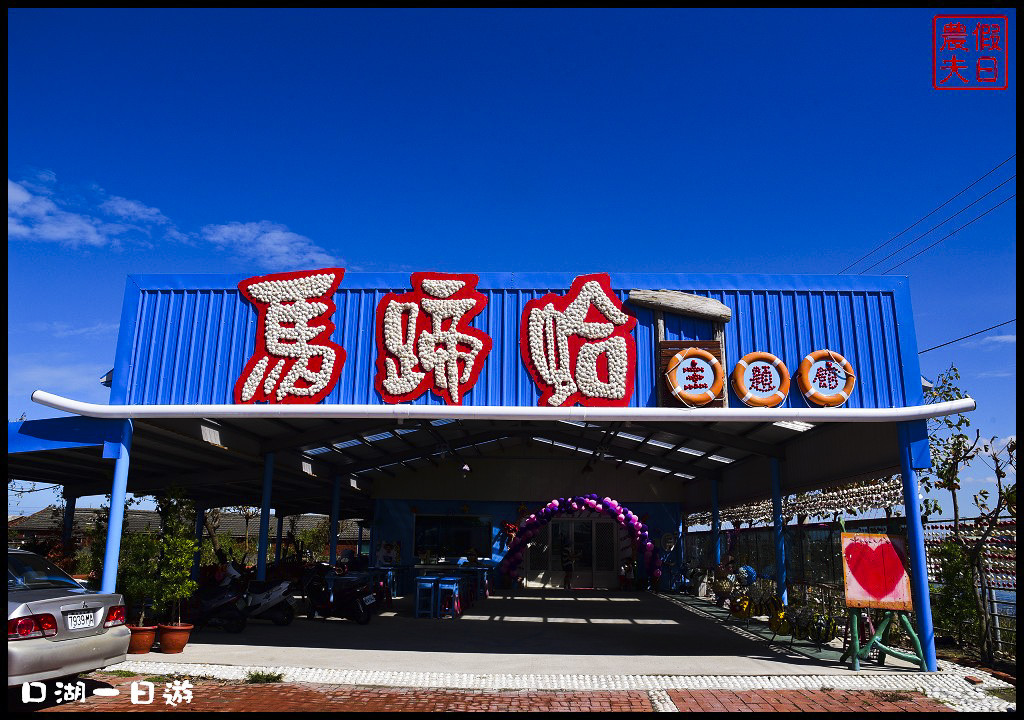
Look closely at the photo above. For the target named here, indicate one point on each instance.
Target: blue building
(507, 415)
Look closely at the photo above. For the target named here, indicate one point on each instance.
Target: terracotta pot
(143, 637)
(173, 638)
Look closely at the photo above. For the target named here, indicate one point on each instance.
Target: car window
(31, 572)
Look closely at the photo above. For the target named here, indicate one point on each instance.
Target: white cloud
(997, 373)
(268, 245)
(63, 329)
(61, 373)
(38, 218)
(999, 340)
(134, 211)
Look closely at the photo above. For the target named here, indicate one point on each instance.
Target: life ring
(747, 394)
(814, 395)
(691, 391)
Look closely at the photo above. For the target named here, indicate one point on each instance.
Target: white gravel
(949, 685)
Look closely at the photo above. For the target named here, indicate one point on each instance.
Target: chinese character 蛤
(579, 347)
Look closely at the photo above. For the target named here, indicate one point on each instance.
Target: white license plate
(80, 621)
(369, 599)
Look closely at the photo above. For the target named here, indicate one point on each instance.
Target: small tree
(174, 582)
(138, 569)
(951, 448)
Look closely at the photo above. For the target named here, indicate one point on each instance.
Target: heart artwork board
(875, 571)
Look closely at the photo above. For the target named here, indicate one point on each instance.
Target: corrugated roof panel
(193, 335)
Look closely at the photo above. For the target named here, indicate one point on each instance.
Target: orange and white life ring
(820, 375)
(761, 380)
(695, 376)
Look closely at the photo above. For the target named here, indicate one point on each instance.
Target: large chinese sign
(579, 347)
(424, 339)
(294, 360)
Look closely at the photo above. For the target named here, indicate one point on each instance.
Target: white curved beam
(489, 412)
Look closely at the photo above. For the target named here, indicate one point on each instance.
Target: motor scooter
(338, 593)
(270, 601)
(219, 606)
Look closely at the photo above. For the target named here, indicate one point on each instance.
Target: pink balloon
(621, 518)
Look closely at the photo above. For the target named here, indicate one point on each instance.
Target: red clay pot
(143, 637)
(173, 638)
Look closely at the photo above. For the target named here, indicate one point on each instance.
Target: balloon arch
(628, 521)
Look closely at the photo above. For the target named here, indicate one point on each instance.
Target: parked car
(56, 627)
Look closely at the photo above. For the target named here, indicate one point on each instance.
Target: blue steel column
(915, 547)
(716, 547)
(335, 508)
(268, 483)
(359, 540)
(69, 519)
(117, 494)
(780, 540)
(200, 520)
(280, 527)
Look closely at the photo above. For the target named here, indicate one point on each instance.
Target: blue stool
(427, 595)
(449, 597)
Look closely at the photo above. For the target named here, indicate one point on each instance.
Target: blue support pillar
(117, 495)
(915, 548)
(268, 484)
(335, 509)
(69, 520)
(280, 529)
(780, 539)
(359, 540)
(200, 521)
(716, 546)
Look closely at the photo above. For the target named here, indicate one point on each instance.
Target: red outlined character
(954, 37)
(987, 36)
(954, 66)
(579, 347)
(761, 378)
(424, 340)
(988, 69)
(827, 377)
(294, 360)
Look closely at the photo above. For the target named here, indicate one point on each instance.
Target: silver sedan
(55, 627)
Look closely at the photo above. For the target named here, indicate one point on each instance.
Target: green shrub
(953, 597)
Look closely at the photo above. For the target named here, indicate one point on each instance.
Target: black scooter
(338, 593)
(220, 606)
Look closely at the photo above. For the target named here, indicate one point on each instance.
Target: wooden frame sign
(875, 571)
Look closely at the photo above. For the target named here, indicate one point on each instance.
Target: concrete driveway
(536, 632)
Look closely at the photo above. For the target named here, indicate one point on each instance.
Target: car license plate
(369, 599)
(79, 621)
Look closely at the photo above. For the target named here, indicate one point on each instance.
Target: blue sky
(171, 141)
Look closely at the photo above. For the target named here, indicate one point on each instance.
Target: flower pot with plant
(174, 569)
(137, 571)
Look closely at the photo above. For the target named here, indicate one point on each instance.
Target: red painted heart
(877, 569)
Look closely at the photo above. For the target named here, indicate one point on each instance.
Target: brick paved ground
(803, 701)
(225, 696)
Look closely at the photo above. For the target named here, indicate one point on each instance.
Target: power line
(922, 352)
(979, 217)
(939, 224)
(928, 215)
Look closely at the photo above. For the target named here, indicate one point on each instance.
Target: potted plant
(137, 570)
(174, 583)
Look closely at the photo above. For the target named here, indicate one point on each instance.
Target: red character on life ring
(695, 376)
(825, 378)
(761, 380)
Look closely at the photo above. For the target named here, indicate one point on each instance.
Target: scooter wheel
(361, 616)
(285, 616)
(233, 621)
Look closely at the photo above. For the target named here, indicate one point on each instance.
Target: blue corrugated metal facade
(185, 339)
